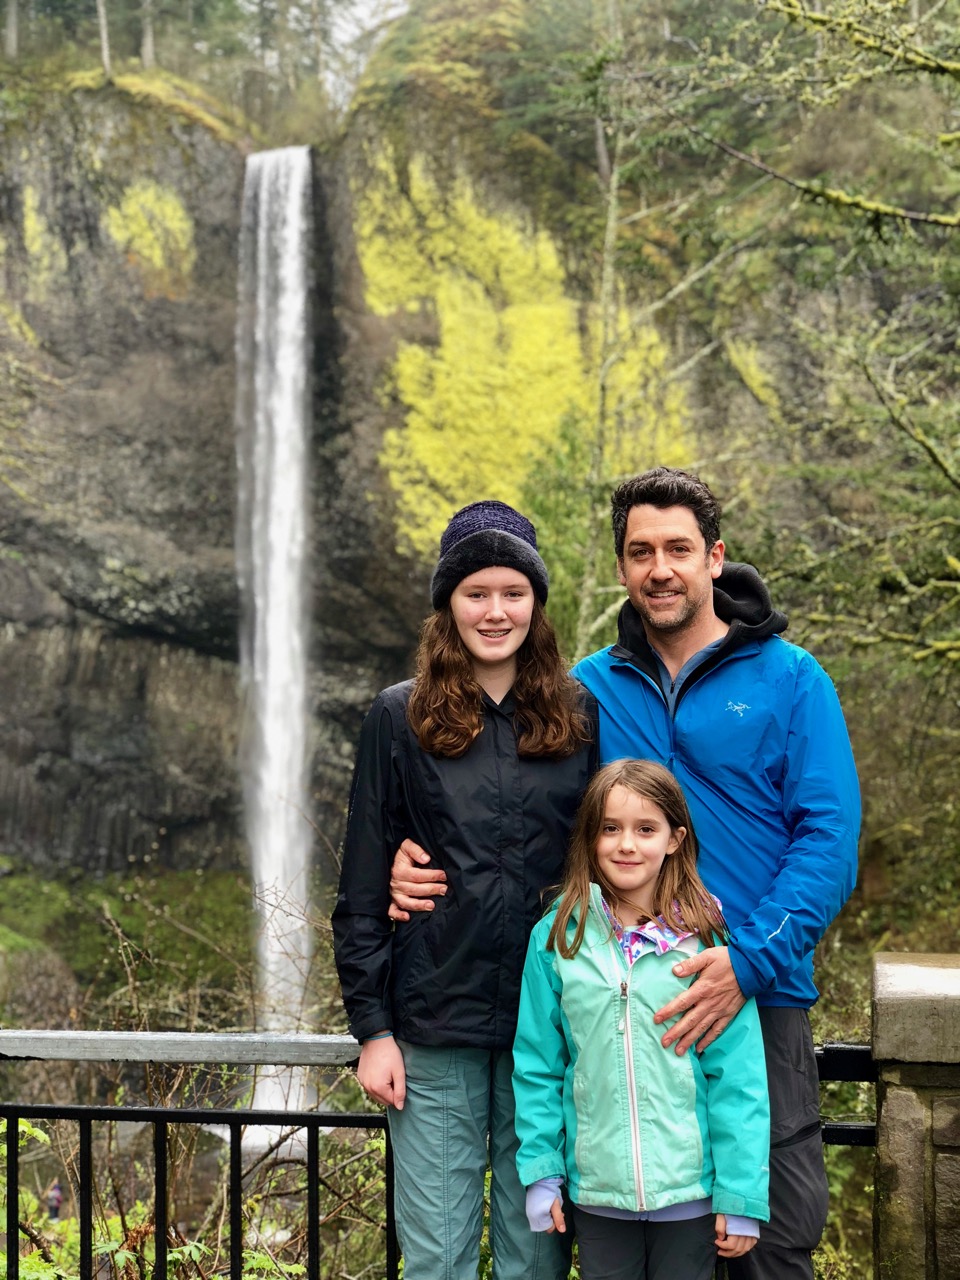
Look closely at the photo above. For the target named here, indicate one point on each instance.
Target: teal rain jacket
(600, 1102)
(758, 742)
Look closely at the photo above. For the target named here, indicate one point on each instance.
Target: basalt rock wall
(120, 706)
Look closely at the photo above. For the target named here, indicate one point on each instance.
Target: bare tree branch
(832, 195)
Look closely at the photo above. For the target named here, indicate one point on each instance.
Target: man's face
(667, 569)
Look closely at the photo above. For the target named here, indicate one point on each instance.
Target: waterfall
(272, 422)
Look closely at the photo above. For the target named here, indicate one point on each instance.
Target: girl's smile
(492, 610)
(635, 838)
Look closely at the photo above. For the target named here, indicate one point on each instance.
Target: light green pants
(459, 1110)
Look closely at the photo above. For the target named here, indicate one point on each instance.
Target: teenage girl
(664, 1157)
(482, 760)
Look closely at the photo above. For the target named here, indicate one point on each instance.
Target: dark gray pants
(616, 1249)
(798, 1181)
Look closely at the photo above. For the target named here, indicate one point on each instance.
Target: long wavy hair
(445, 709)
(680, 898)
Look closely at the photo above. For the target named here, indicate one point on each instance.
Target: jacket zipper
(727, 654)
(627, 1033)
(613, 952)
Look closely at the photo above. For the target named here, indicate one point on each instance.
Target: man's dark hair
(665, 487)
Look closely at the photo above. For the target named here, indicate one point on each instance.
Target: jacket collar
(505, 707)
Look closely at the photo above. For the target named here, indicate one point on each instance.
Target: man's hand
(708, 1004)
(731, 1246)
(381, 1073)
(413, 887)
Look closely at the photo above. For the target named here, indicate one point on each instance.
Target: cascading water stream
(272, 419)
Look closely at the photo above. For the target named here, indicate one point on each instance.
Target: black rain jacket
(499, 826)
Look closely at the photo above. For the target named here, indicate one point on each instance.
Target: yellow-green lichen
(155, 232)
(509, 357)
(93, 78)
(187, 101)
(46, 254)
(747, 361)
(13, 319)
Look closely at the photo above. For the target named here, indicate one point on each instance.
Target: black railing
(288, 1123)
(847, 1063)
(835, 1063)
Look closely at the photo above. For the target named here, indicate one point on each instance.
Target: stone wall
(916, 1045)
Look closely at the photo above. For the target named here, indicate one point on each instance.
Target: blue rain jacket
(758, 742)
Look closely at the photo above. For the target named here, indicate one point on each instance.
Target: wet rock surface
(120, 705)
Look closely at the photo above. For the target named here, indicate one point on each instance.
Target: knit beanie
(480, 536)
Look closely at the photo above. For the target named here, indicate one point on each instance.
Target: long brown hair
(680, 898)
(445, 709)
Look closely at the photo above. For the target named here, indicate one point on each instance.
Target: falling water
(273, 397)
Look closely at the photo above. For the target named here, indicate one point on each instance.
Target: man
(751, 726)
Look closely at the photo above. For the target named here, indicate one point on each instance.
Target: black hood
(741, 595)
(740, 598)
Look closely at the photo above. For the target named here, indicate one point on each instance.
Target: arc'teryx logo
(738, 707)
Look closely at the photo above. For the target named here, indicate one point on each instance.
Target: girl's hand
(559, 1221)
(544, 1210)
(381, 1073)
(731, 1246)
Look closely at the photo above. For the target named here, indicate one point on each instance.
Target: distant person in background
(54, 1201)
(701, 681)
(481, 760)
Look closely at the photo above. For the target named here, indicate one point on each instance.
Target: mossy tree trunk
(148, 52)
(104, 37)
(11, 38)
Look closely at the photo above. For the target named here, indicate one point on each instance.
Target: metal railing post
(313, 1202)
(236, 1202)
(13, 1197)
(393, 1245)
(85, 1197)
(160, 1199)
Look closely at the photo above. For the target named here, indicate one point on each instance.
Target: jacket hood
(740, 598)
(741, 595)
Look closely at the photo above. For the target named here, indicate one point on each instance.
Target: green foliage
(192, 937)
(507, 349)
(155, 232)
(502, 353)
(256, 1263)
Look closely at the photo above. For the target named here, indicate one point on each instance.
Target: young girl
(482, 760)
(664, 1157)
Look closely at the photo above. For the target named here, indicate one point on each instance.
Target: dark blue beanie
(480, 536)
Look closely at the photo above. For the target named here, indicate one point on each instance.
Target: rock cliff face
(119, 701)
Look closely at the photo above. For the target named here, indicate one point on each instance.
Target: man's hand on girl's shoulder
(708, 1005)
(413, 884)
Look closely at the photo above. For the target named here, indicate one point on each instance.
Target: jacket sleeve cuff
(741, 1206)
(749, 980)
(370, 1024)
(549, 1165)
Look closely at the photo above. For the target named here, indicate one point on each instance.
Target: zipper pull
(623, 996)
